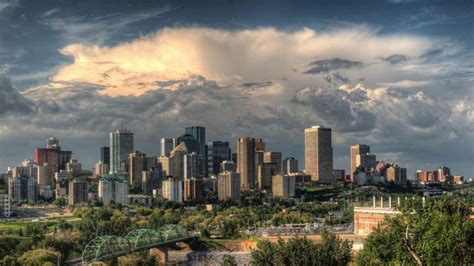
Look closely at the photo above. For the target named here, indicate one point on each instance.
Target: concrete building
(217, 152)
(121, 145)
(283, 186)
(173, 190)
(366, 219)
(301, 178)
(166, 146)
(166, 165)
(274, 157)
(22, 188)
(265, 172)
(78, 191)
(177, 160)
(136, 165)
(47, 156)
(357, 149)
(101, 169)
(73, 166)
(228, 186)
(113, 188)
(246, 162)
(46, 174)
(319, 153)
(290, 165)
(151, 180)
(193, 189)
(5, 206)
(397, 174)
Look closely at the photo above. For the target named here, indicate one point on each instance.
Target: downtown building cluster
(188, 168)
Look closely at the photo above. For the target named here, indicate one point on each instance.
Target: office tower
(259, 158)
(46, 156)
(45, 175)
(190, 141)
(191, 166)
(259, 145)
(397, 174)
(177, 160)
(233, 157)
(63, 158)
(167, 145)
(121, 145)
(73, 166)
(217, 152)
(283, 186)
(101, 169)
(193, 189)
(135, 164)
(228, 186)
(444, 174)
(199, 133)
(113, 188)
(290, 165)
(5, 206)
(358, 149)
(105, 155)
(265, 172)
(52, 143)
(228, 166)
(318, 153)
(78, 191)
(172, 190)
(273, 157)
(151, 180)
(23, 188)
(246, 162)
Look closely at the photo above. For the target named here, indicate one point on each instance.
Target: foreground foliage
(441, 233)
(301, 251)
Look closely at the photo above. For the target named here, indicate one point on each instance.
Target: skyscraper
(78, 191)
(228, 186)
(136, 163)
(199, 133)
(265, 171)
(290, 165)
(121, 145)
(167, 145)
(246, 162)
(318, 153)
(105, 155)
(217, 152)
(193, 189)
(191, 166)
(283, 186)
(357, 149)
(273, 157)
(172, 190)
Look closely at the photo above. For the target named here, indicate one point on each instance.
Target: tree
(60, 202)
(229, 261)
(301, 251)
(441, 233)
(38, 257)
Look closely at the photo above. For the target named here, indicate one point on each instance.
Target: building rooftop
(120, 178)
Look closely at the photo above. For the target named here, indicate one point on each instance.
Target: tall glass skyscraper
(217, 152)
(199, 133)
(121, 145)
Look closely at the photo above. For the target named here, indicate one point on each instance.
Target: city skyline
(399, 80)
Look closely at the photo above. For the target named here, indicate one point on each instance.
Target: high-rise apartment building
(228, 186)
(290, 165)
(246, 162)
(22, 188)
(283, 186)
(274, 157)
(217, 152)
(358, 149)
(318, 153)
(167, 145)
(136, 161)
(45, 175)
(105, 155)
(193, 189)
(172, 190)
(113, 188)
(121, 145)
(78, 191)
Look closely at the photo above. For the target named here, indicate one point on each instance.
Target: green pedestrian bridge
(111, 246)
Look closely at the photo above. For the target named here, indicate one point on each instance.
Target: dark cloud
(11, 101)
(326, 65)
(396, 59)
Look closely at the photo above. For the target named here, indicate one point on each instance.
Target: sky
(396, 75)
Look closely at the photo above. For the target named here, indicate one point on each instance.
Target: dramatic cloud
(230, 57)
(11, 101)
